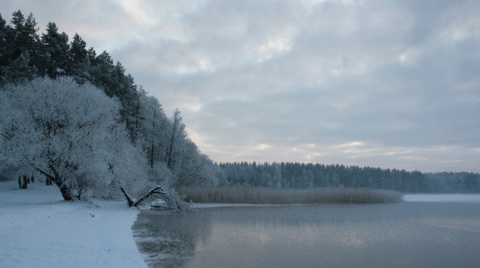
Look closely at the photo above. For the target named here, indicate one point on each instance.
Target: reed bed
(252, 195)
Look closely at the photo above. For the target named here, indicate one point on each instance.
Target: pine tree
(79, 60)
(22, 49)
(20, 70)
(5, 49)
(25, 35)
(77, 52)
(56, 49)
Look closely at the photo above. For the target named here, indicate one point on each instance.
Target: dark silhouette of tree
(56, 49)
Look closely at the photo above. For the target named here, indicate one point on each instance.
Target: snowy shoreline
(38, 229)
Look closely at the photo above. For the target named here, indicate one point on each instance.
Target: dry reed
(252, 195)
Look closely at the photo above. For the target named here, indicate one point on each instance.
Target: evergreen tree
(25, 37)
(77, 52)
(56, 47)
(5, 47)
(20, 48)
(79, 63)
(20, 70)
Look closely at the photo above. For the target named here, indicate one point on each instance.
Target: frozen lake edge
(457, 198)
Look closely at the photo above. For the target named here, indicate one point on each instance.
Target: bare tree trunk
(177, 129)
(64, 189)
(129, 200)
(24, 182)
(152, 148)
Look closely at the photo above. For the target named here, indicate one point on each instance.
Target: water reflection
(391, 235)
(169, 239)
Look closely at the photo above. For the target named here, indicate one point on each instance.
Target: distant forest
(156, 150)
(301, 176)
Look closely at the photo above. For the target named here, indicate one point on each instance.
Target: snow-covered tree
(152, 136)
(70, 133)
(175, 142)
(196, 169)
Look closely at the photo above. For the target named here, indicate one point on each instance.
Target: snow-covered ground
(38, 229)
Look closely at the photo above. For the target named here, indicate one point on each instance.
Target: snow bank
(38, 229)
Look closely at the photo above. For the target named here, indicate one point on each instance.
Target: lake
(407, 234)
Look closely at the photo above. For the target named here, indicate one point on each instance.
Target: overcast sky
(391, 84)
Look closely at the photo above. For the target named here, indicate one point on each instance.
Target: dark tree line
(302, 176)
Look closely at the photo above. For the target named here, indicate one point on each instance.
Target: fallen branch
(129, 200)
(158, 191)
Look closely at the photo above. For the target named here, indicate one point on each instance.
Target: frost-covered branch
(172, 200)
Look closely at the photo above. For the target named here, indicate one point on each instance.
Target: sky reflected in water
(408, 234)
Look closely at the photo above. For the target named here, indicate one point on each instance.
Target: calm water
(409, 234)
